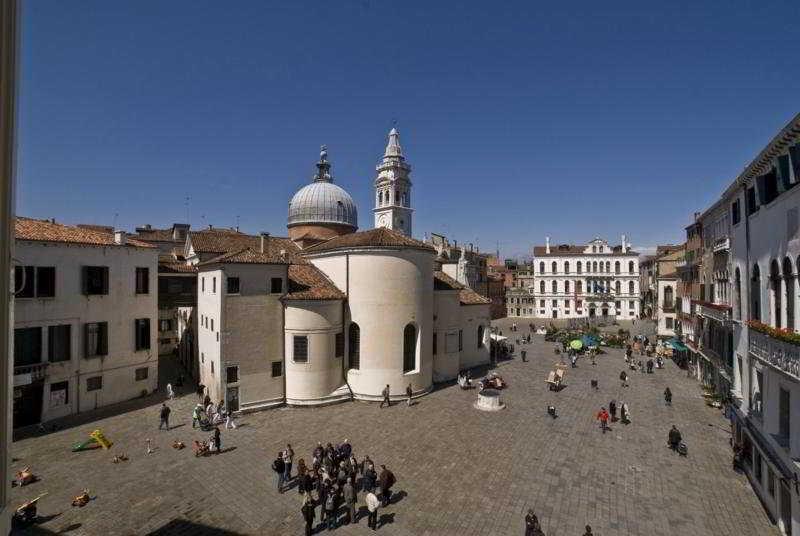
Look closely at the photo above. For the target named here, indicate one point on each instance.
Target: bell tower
(393, 189)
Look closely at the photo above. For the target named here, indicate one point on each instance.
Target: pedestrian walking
(288, 459)
(674, 438)
(626, 414)
(279, 467)
(350, 499)
(524, 355)
(623, 376)
(164, 417)
(532, 527)
(409, 393)
(372, 506)
(370, 476)
(196, 412)
(612, 409)
(588, 531)
(170, 392)
(230, 423)
(307, 509)
(217, 440)
(602, 416)
(667, 397)
(385, 394)
(201, 390)
(386, 480)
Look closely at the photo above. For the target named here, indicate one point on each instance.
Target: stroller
(205, 424)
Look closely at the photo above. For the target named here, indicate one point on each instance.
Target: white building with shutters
(85, 320)
(592, 280)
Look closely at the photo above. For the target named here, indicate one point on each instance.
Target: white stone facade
(594, 280)
(71, 380)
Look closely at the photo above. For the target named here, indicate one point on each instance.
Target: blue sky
(520, 119)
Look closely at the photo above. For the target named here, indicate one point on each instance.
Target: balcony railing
(776, 353)
(668, 307)
(36, 370)
(722, 244)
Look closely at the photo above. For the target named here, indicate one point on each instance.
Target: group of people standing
(332, 480)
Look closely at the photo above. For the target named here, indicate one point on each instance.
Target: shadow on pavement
(183, 526)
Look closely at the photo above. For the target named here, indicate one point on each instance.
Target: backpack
(329, 502)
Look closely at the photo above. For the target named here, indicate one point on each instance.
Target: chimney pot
(120, 237)
(547, 245)
(264, 238)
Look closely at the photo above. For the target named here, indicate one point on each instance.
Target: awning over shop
(496, 337)
(675, 344)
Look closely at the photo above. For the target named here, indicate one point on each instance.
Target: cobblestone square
(459, 470)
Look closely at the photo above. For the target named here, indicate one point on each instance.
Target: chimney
(624, 245)
(120, 237)
(264, 238)
(547, 245)
(283, 254)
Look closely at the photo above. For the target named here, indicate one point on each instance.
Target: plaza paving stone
(459, 470)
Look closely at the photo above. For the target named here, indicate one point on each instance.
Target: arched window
(788, 282)
(354, 344)
(396, 197)
(594, 267)
(601, 267)
(409, 348)
(755, 294)
(616, 267)
(669, 298)
(617, 287)
(578, 287)
(541, 267)
(554, 267)
(566, 287)
(630, 287)
(541, 287)
(608, 267)
(555, 287)
(380, 198)
(738, 282)
(630, 267)
(566, 267)
(580, 267)
(775, 292)
(480, 337)
(594, 249)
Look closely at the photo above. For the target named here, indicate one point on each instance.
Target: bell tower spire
(393, 188)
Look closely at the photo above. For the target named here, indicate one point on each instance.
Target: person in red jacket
(602, 416)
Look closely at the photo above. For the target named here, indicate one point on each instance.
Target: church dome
(322, 202)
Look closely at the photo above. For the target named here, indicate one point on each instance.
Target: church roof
(322, 201)
(307, 282)
(442, 281)
(467, 296)
(379, 237)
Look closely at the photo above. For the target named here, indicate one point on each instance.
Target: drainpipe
(283, 334)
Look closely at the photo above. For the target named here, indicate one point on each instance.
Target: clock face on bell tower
(383, 221)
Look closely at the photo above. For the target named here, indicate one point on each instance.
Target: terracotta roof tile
(307, 282)
(442, 281)
(467, 296)
(249, 256)
(229, 241)
(47, 231)
(174, 266)
(380, 237)
(156, 235)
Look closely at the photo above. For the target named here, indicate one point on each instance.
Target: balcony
(25, 374)
(680, 264)
(722, 244)
(775, 353)
(668, 307)
(715, 311)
